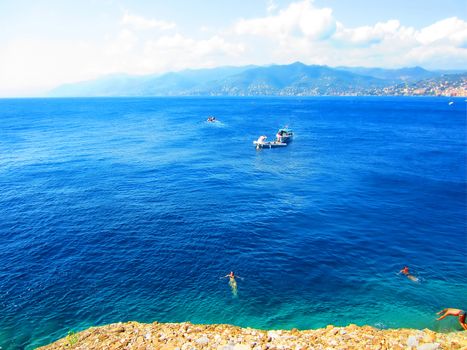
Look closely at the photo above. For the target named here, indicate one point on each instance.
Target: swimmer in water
(406, 272)
(454, 312)
(232, 282)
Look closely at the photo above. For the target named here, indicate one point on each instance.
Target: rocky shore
(187, 336)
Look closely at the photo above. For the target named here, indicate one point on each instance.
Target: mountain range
(296, 79)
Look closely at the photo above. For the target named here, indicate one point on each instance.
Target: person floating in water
(211, 119)
(232, 282)
(406, 272)
(454, 312)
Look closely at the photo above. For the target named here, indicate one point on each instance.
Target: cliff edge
(187, 336)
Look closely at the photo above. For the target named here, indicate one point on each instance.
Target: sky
(46, 43)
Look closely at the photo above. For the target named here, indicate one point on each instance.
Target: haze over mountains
(295, 79)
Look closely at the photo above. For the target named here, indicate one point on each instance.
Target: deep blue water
(133, 209)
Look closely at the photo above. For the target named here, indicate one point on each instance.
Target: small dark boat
(284, 135)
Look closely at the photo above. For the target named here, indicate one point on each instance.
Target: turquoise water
(133, 209)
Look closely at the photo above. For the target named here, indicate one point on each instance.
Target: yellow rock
(429, 337)
(186, 336)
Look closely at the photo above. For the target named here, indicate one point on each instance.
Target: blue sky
(45, 43)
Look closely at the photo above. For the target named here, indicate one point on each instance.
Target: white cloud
(437, 56)
(447, 32)
(31, 65)
(298, 18)
(125, 41)
(272, 6)
(139, 22)
(304, 32)
(176, 52)
(369, 35)
(450, 30)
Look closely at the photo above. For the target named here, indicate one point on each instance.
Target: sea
(135, 209)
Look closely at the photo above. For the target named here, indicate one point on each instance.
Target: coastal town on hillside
(448, 85)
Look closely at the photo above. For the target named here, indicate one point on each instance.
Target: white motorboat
(262, 143)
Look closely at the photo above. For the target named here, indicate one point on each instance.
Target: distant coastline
(295, 79)
(184, 336)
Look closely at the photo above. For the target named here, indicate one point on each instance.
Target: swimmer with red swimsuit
(406, 272)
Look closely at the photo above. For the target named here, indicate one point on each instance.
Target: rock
(203, 340)
(241, 347)
(273, 335)
(187, 346)
(412, 341)
(187, 336)
(428, 346)
(429, 337)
